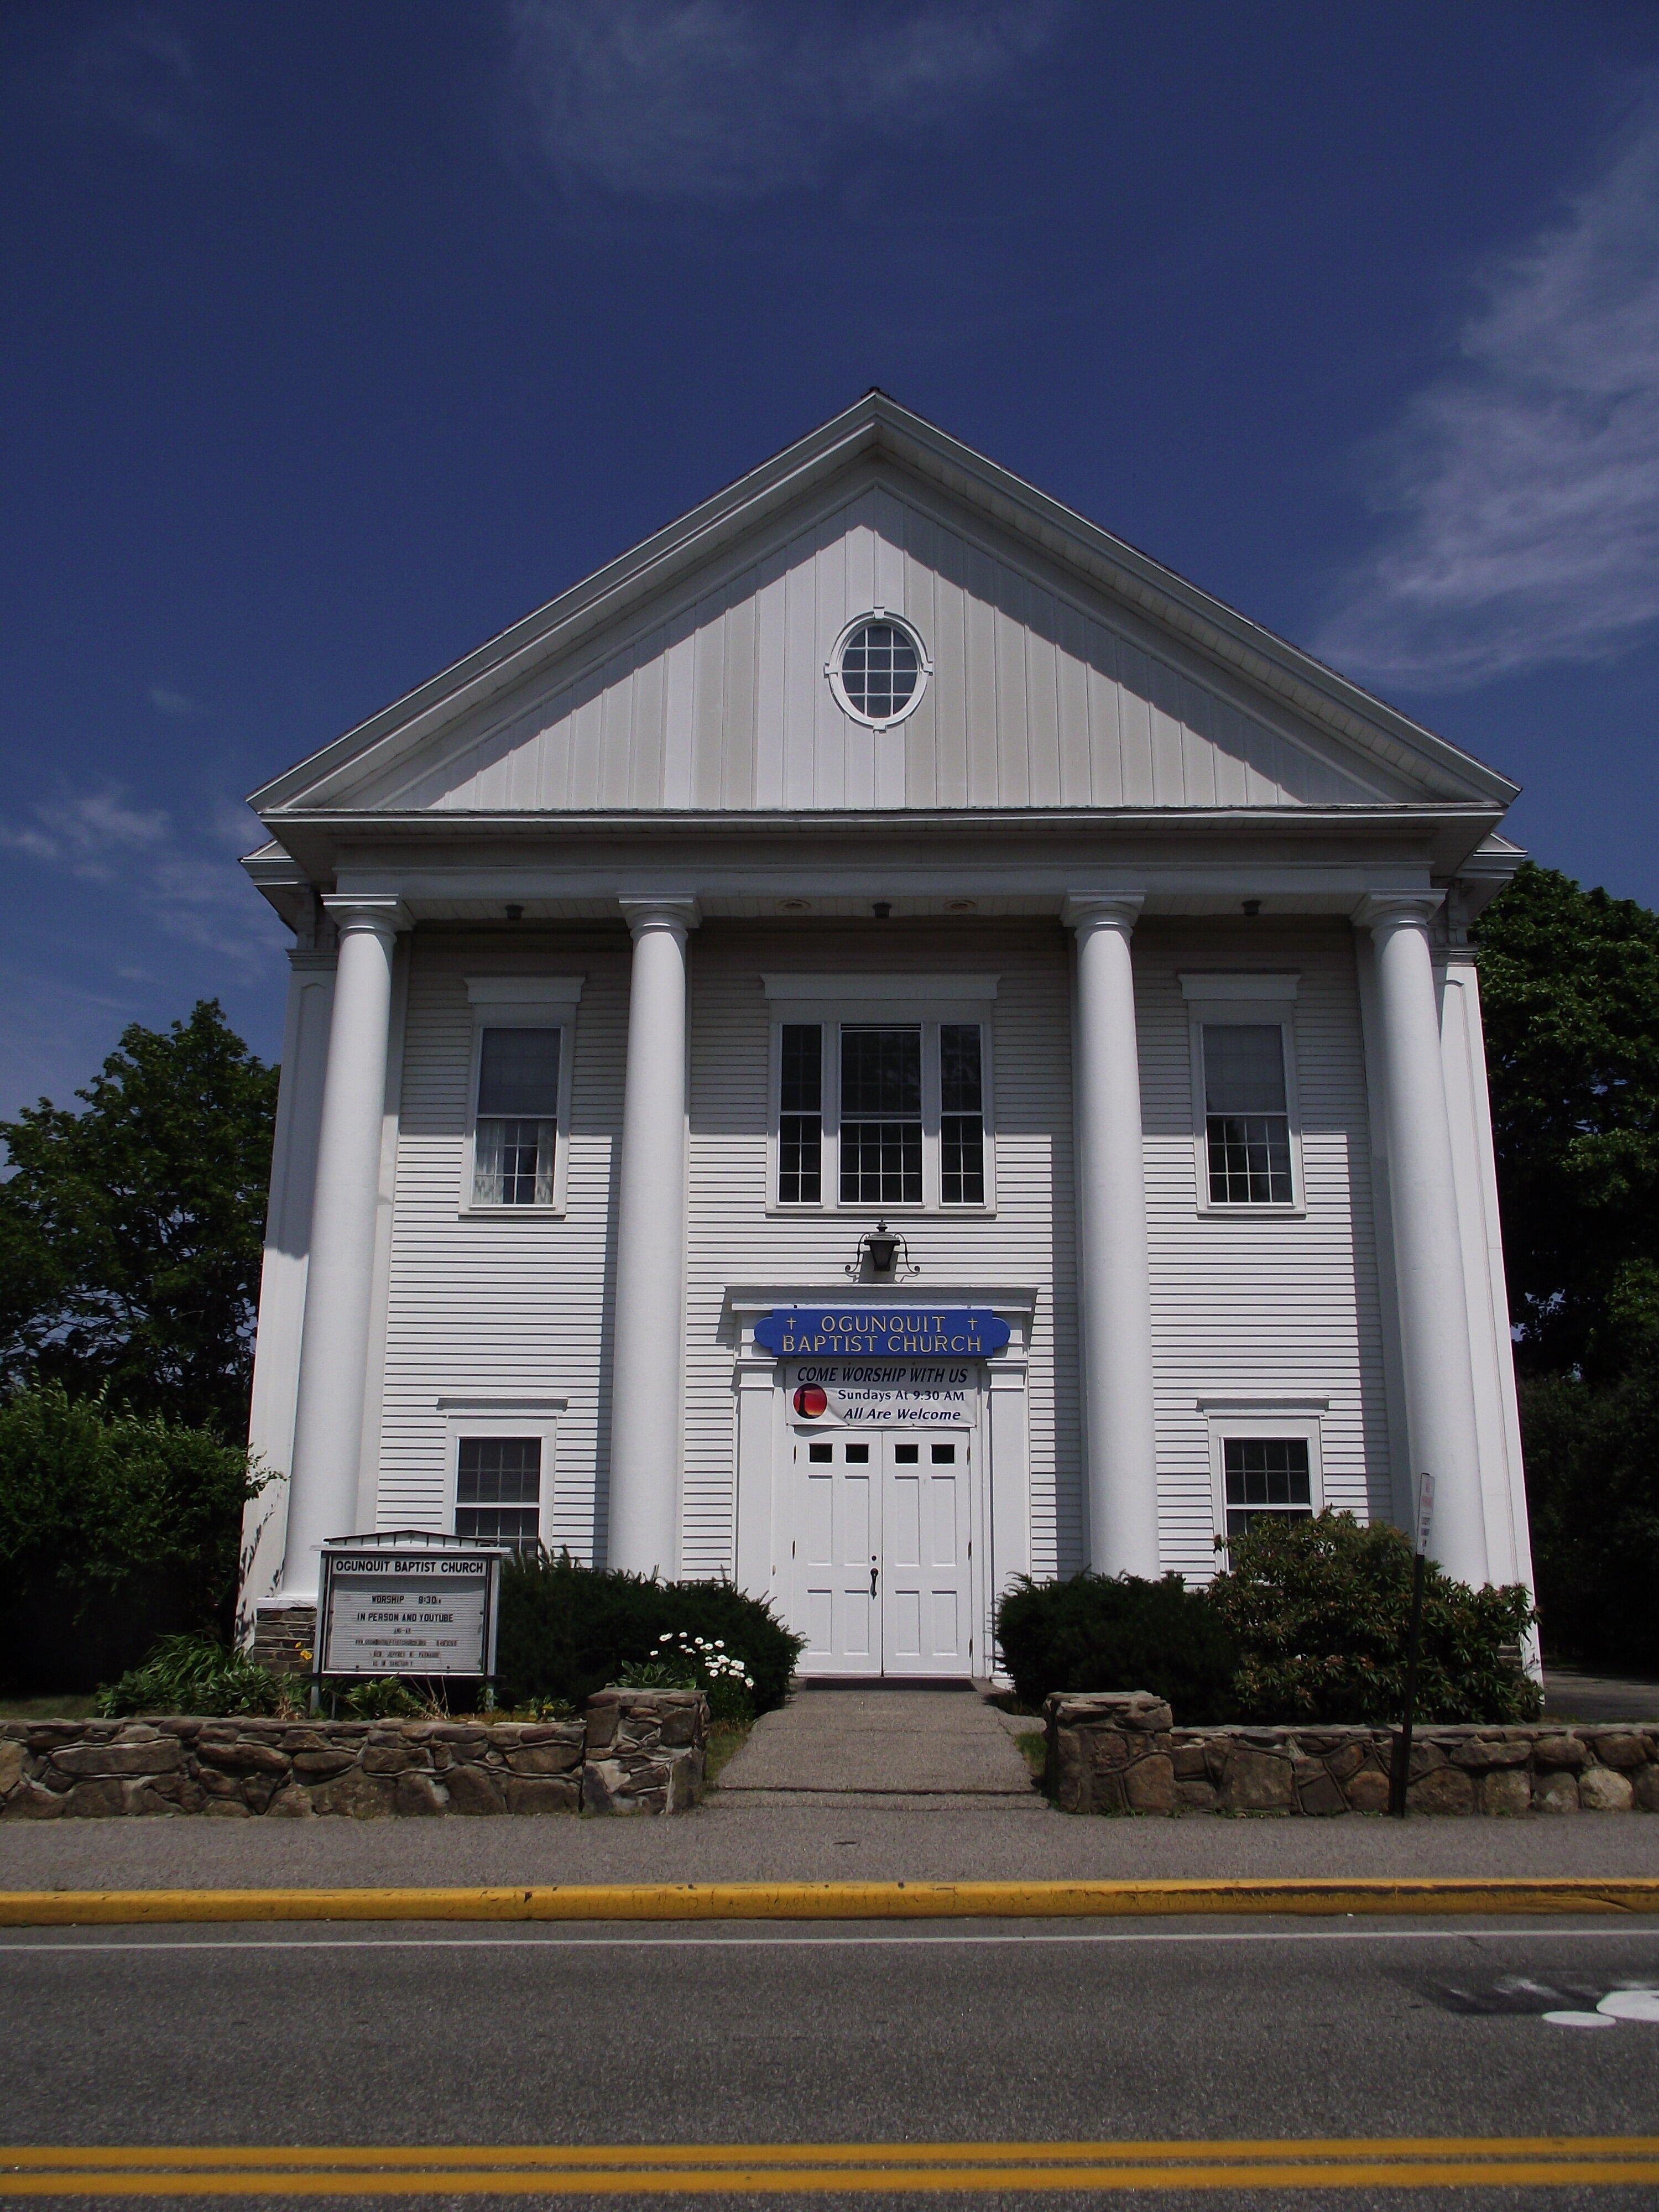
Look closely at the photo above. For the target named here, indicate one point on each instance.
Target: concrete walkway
(880, 1744)
(1570, 1696)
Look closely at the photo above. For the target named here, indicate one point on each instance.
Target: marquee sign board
(407, 1610)
(911, 1395)
(856, 1331)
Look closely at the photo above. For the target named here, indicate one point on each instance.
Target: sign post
(409, 1602)
(1400, 1768)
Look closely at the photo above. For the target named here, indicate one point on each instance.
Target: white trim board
(950, 989)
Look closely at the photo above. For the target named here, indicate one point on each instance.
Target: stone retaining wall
(1120, 1752)
(638, 1751)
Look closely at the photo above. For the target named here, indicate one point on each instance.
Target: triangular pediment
(692, 676)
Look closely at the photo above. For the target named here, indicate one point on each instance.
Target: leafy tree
(1570, 982)
(114, 1527)
(131, 1232)
(1592, 1452)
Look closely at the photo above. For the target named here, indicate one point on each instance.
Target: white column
(328, 1422)
(1115, 1296)
(1434, 1322)
(648, 1351)
(282, 1277)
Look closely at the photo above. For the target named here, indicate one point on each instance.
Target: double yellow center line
(760, 2169)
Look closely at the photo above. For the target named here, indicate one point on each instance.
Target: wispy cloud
(1522, 489)
(718, 100)
(191, 890)
(135, 69)
(168, 702)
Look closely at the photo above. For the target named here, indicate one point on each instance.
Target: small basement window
(498, 1490)
(1266, 1477)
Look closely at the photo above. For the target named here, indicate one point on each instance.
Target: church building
(881, 1044)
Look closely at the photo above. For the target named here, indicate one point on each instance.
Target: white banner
(884, 1394)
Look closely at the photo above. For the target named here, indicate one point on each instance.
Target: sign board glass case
(408, 1611)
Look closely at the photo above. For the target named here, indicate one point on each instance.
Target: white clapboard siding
(517, 1307)
(733, 1240)
(1261, 1306)
(501, 1306)
(1044, 693)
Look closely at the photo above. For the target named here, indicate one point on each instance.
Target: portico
(1151, 1060)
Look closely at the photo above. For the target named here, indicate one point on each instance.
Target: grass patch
(1035, 1744)
(60, 1708)
(725, 1739)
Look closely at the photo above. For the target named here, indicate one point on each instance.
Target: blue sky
(339, 337)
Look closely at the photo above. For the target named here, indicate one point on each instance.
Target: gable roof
(378, 766)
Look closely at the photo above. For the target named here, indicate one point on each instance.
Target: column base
(284, 1637)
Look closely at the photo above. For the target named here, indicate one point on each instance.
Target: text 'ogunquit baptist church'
(883, 918)
(890, 1335)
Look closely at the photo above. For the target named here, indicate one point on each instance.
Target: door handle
(872, 1582)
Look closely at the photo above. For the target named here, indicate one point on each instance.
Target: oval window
(878, 670)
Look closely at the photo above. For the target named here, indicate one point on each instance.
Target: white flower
(665, 1638)
(719, 1643)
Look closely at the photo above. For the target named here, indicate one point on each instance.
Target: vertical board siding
(484, 1306)
(732, 1239)
(720, 701)
(1273, 1305)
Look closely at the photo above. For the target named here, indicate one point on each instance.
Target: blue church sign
(862, 1331)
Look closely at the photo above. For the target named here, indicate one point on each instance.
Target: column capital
(1398, 909)
(382, 913)
(677, 911)
(1119, 910)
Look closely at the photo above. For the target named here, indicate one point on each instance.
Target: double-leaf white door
(882, 1553)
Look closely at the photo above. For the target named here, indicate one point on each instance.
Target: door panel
(925, 1570)
(840, 1543)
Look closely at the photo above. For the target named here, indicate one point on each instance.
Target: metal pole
(1401, 1765)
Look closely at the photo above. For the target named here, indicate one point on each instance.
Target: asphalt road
(970, 2033)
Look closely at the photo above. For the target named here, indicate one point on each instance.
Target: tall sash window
(517, 1118)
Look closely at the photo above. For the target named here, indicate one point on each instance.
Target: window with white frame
(520, 1081)
(1264, 1476)
(884, 1102)
(498, 1490)
(880, 1081)
(501, 1462)
(1244, 1090)
(1247, 1121)
(1265, 1461)
(518, 1118)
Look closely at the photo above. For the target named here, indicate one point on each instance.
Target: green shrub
(1320, 1610)
(114, 1529)
(566, 1630)
(386, 1700)
(197, 1675)
(1119, 1633)
(1592, 1452)
(696, 1662)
